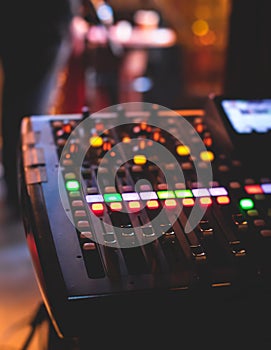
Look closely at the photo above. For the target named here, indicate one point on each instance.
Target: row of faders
(135, 182)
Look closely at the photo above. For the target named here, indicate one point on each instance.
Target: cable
(39, 317)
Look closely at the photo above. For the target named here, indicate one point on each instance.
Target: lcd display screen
(248, 116)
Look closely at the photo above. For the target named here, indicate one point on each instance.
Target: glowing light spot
(200, 27)
(183, 150)
(140, 159)
(207, 156)
(96, 141)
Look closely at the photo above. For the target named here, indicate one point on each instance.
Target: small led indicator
(116, 206)
(132, 196)
(218, 191)
(183, 193)
(152, 204)
(96, 141)
(188, 202)
(112, 197)
(183, 150)
(266, 188)
(134, 205)
(205, 201)
(165, 194)
(246, 203)
(72, 185)
(207, 156)
(170, 203)
(148, 195)
(223, 199)
(140, 159)
(201, 192)
(97, 208)
(253, 189)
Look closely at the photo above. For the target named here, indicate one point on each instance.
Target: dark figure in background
(248, 65)
(34, 44)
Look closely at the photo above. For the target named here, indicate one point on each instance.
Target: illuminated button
(70, 176)
(218, 191)
(208, 141)
(187, 166)
(259, 222)
(148, 195)
(89, 246)
(126, 139)
(145, 187)
(183, 193)
(132, 196)
(86, 234)
(97, 208)
(80, 213)
(152, 204)
(183, 150)
(67, 162)
(266, 188)
(260, 197)
(207, 156)
(201, 192)
(253, 189)
(77, 203)
(127, 188)
(205, 201)
(140, 159)
(74, 194)
(165, 194)
(180, 186)
(72, 185)
(235, 185)
(170, 203)
(83, 224)
(116, 206)
(253, 213)
(93, 198)
(96, 141)
(109, 189)
(134, 205)
(188, 202)
(223, 168)
(223, 200)
(246, 203)
(112, 197)
(162, 187)
(266, 233)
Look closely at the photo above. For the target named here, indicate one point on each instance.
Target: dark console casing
(223, 260)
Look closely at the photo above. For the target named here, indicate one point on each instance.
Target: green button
(246, 203)
(183, 193)
(165, 194)
(112, 197)
(72, 185)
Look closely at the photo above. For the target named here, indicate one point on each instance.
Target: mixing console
(139, 202)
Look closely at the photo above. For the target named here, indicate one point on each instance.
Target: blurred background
(170, 52)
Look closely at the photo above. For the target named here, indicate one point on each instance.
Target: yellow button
(140, 159)
(207, 156)
(183, 150)
(96, 141)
